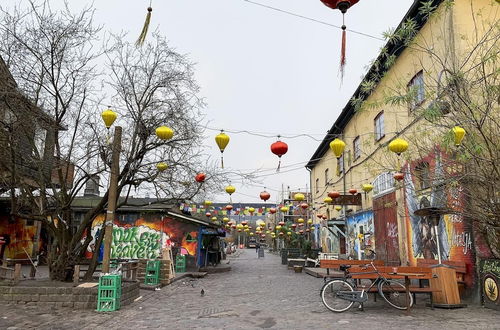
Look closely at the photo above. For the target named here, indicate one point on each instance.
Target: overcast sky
(263, 71)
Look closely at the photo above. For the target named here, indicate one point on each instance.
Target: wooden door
(386, 228)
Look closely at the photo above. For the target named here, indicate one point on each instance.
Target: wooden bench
(389, 272)
(335, 264)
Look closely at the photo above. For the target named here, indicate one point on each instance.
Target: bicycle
(339, 295)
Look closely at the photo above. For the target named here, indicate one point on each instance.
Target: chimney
(92, 186)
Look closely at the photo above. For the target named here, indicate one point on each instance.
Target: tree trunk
(93, 262)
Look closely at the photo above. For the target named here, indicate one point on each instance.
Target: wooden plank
(337, 263)
(76, 275)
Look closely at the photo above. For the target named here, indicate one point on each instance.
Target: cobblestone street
(257, 293)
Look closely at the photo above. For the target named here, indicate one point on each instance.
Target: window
(340, 165)
(422, 175)
(416, 89)
(317, 185)
(326, 177)
(39, 141)
(357, 147)
(379, 126)
(383, 183)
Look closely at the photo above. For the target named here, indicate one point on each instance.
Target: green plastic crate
(180, 264)
(153, 265)
(108, 305)
(109, 293)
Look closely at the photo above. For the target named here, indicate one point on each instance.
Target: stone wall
(72, 297)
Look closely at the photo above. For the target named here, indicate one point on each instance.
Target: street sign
(348, 200)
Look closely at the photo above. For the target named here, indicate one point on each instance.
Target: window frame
(340, 164)
(356, 147)
(383, 184)
(378, 121)
(419, 98)
(326, 176)
(317, 185)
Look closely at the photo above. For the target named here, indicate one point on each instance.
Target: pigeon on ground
(202, 293)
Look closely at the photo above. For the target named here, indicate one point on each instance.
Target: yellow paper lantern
(278, 227)
(251, 210)
(300, 220)
(309, 222)
(313, 228)
(299, 197)
(268, 232)
(222, 140)
(251, 234)
(367, 187)
(337, 147)
(328, 200)
(247, 230)
(338, 208)
(214, 219)
(161, 167)
(247, 226)
(208, 203)
(225, 219)
(230, 189)
(289, 233)
(109, 117)
(164, 133)
(239, 226)
(459, 134)
(284, 209)
(398, 146)
(263, 225)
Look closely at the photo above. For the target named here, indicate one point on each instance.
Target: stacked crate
(152, 276)
(180, 264)
(167, 272)
(109, 293)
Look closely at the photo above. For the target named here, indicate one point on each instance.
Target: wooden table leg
(407, 287)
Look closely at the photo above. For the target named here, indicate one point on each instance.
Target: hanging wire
(311, 19)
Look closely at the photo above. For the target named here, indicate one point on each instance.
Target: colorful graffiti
(146, 237)
(21, 237)
(453, 234)
(360, 229)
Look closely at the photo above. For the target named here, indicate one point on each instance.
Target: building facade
(378, 112)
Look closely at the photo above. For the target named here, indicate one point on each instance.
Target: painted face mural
(360, 234)
(146, 237)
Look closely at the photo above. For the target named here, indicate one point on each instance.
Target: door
(386, 229)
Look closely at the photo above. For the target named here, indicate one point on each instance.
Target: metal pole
(112, 197)
(436, 223)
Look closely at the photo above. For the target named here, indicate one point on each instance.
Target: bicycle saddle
(343, 268)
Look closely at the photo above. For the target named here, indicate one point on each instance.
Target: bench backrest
(337, 263)
(386, 271)
(459, 266)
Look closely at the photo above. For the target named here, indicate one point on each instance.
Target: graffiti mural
(20, 234)
(360, 229)
(146, 237)
(454, 233)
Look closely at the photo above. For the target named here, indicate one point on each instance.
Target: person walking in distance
(257, 247)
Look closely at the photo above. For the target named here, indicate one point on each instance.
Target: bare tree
(58, 63)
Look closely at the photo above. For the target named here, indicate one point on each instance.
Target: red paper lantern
(301, 225)
(281, 233)
(294, 226)
(233, 226)
(353, 191)
(263, 235)
(208, 214)
(399, 176)
(229, 207)
(272, 210)
(308, 230)
(200, 177)
(325, 217)
(320, 216)
(265, 195)
(304, 206)
(301, 232)
(334, 194)
(244, 223)
(279, 148)
(281, 223)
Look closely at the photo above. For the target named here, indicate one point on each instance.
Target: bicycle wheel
(394, 293)
(329, 295)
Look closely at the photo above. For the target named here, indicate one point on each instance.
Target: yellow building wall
(446, 30)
